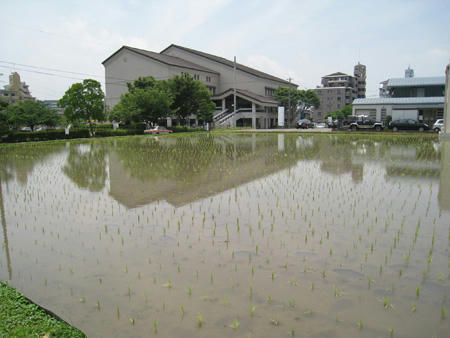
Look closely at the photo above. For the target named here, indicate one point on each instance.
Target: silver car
(438, 125)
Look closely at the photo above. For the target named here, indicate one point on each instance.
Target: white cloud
(267, 65)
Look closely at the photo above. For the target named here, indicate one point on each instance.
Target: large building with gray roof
(418, 98)
(255, 105)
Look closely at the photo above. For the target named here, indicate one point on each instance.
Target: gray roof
(416, 81)
(231, 64)
(167, 59)
(336, 74)
(400, 100)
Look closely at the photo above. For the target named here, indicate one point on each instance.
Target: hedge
(59, 134)
(83, 132)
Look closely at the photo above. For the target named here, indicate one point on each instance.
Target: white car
(438, 125)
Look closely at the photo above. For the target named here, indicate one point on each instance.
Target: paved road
(287, 130)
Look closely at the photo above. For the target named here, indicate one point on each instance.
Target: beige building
(339, 90)
(15, 91)
(255, 105)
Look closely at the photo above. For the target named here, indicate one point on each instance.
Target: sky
(53, 44)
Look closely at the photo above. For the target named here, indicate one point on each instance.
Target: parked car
(438, 125)
(158, 130)
(304, 124)
(408, 124)
(320, 125)
(364, 122)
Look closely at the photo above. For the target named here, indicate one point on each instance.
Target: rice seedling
(387, 303)
(443, 312)
(199, 320)
(235, 324)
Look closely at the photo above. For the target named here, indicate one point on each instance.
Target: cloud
(439, 52)
(270, 66)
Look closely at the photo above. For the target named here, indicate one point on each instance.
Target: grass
(21, 318)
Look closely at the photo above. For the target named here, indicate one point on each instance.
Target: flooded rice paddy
(232, 235)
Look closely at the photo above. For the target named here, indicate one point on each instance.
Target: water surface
(329, 236)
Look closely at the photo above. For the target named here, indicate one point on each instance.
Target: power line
(51, 69)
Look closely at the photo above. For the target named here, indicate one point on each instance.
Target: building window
(196, 77)
(208, 79)
(211, 89)
(269, 91)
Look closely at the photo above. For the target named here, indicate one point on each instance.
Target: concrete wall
(244, 80)
(127, 66)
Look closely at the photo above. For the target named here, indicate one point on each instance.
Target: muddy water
(318, 236)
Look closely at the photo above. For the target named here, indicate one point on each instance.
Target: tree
(285, 95)
(205, 111)
(189, 96)
(142, 83)
(147, 100)
(84, 101)
(3, 104)
(341, 114)
(31, 113)
(4, 123)
(308, 99)
(151, 105)
(206, 106)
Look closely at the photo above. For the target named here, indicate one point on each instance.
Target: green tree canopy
(84, 101)
(147, 100)
(285, 95)
(150, 100)
(188, 95)
(144, 82)
(308, 100)
(301, 101)
(3, 104)
(31, 113)
(341, 114)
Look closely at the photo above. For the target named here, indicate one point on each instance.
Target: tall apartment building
(15, 91)
(340, 89)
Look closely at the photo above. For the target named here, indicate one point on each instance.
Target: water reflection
(86, 166)
(186, 169)
(5, 233)
(248, 217)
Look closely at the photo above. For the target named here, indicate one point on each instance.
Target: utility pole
(234, 85)
(289, 104)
